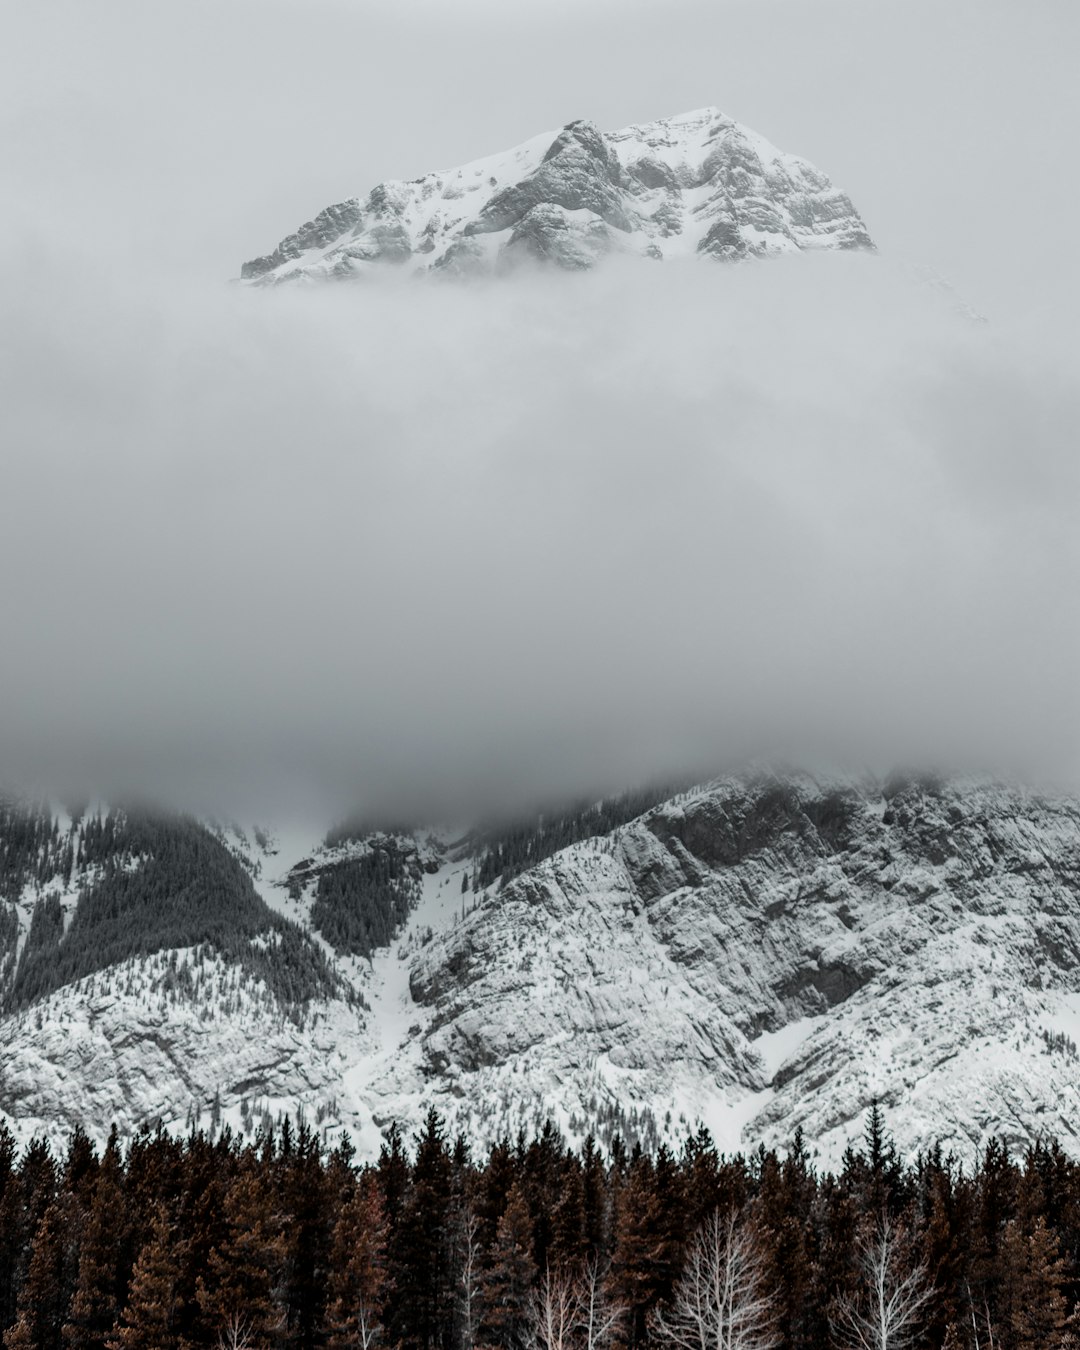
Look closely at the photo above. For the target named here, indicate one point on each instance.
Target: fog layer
(431, 541)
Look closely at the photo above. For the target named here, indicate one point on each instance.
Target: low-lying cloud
(418, 541)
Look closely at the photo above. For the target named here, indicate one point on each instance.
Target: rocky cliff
(760, 954)
(695, 185)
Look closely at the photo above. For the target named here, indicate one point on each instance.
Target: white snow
(435, 211)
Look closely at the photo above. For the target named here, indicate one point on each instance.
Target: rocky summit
(695, 185)
(760, 954)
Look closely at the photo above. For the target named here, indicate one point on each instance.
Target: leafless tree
(556, 1312)
(469, 1256)
(571, 1310)
(599, 1316)
(236, 1334)
(721, 1301)
(887, 1311)
(367, 1328)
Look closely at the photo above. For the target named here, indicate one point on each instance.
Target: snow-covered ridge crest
(699, 184)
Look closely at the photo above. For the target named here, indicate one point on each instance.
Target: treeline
(155, 882)
(204, 1242)
(32, 847)
(506, 852)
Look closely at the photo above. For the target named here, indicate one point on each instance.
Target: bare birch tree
(468, 1282)
(721, 1301)
(886, 1314)
(236, 1334)
(556, 1312)
(599, 1316)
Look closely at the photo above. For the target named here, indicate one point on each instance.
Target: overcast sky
(194, 135)
(544, 534)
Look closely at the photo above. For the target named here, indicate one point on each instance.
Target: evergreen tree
(303, 1192)
(11, 1228)
(508, 1281)
(242, 1286)
(423, 1291)
(639, 1263)
(393, 1172)
(357, 1274)
(1032, 1305)
(94, 1304)
(150, 1319)
(46, 1292)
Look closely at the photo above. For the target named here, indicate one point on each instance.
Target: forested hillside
(202, 1242)
(360, 902)
(126, 884)
(506, 851)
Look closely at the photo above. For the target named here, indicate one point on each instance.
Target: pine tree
(303, 1190)
(46, 1292)
(423, 1293)
(569, 1246)
(150, 1318)
(357, 1275)
(393, 1173)
(1033, 1306)
(242, 1283)
(508, 1281)
(639, 1261)
(11, 1236)
(94, 1304)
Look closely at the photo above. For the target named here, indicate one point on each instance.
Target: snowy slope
(756, 954)
(695, 185)
(780, 955)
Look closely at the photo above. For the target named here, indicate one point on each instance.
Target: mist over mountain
(534, 533)
(462, 564)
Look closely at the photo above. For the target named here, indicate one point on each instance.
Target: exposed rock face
(695, 184)
(780, 955)
(757, 954)
(129, 1046)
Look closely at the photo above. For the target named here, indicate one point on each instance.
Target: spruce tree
(46, 1292)
(1032, 1305)
(242, 1283)
(150, 1319)
(94, 1305)
(357, 1273)
(507, 1283)
(303, 1190)
(638, 1239)
(11, 1235)
(423, 1291)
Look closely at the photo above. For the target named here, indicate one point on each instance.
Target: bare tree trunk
(236, 1334)
(721, 1301)
(469, 1248)
(556, 1312)
(888, 1312)
(600, 1316)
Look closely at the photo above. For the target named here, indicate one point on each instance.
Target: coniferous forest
(199, 1241)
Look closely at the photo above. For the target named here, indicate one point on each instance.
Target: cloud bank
(444, 544)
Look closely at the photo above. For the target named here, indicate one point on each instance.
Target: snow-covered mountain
(756, 953)
(698, 184)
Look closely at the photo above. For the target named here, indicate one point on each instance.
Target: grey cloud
(428, 539)
(472, 542)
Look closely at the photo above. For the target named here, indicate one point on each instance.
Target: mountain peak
(696, 184)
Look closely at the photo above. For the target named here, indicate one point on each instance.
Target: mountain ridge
(698, 184)
(759, 953)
